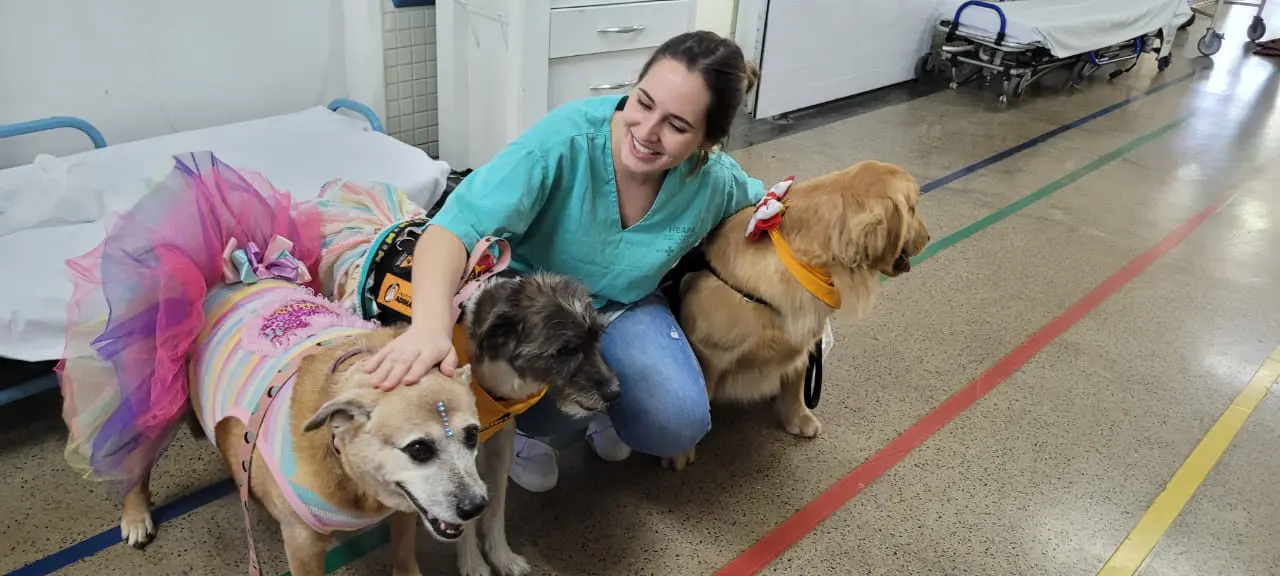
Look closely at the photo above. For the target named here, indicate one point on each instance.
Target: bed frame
(1016, 66)
(19, 379)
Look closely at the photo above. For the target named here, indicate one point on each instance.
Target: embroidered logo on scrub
(281, 324)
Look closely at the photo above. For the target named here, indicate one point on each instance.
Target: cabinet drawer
(580, 3)
(593, 75)
(595, 29)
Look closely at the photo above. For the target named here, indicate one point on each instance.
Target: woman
(612, 191)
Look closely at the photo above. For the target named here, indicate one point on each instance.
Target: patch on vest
(391, 273)
(292, 317)
(279, 326)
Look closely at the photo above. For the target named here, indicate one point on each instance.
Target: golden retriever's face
(881, 229)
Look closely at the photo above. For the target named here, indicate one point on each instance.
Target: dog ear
(463, 374)
(339, 412)
(499, 337)
(875, 236)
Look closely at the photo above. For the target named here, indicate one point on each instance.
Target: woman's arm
(501, 198)
(440, 260)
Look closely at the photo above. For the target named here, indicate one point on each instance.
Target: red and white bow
(768, 213)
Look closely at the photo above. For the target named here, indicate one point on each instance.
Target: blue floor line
(111, 536)
(182, 506)
(1041, 139)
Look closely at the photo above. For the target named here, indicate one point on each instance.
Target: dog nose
(610, 393)
(472, 506)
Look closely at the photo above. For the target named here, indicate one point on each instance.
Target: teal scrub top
(552, 195)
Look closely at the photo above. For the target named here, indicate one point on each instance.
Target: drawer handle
(632, 29)
(614, 86)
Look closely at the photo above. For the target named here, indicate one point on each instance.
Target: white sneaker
(533, 466)
(604, 439)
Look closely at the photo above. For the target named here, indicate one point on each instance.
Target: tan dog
(855, 224)
(356, 453)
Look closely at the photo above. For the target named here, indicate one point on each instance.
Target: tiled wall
(409, 42)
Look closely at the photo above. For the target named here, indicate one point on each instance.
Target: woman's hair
(723, 68)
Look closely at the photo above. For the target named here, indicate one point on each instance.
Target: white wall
(716, 16)
(140, 68)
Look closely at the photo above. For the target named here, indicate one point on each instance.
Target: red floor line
(796, 527)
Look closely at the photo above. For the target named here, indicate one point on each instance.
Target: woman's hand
(410, 356)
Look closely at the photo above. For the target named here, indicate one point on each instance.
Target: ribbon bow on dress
(251, 264)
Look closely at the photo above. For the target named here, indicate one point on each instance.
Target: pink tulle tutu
(138, 303)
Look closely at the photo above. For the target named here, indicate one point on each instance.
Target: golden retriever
(856, 224)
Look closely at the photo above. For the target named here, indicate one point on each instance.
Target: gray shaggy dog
(525, 332)
(536, 330)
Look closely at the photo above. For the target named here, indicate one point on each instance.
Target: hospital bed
(297, 152)
(1211, 42)
(1016, 42)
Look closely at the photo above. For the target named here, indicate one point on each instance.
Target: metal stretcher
(1015, 43)
(1211, 42)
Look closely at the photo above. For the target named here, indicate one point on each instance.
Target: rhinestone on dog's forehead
(444, 418)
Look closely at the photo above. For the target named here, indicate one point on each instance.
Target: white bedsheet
(1069, 27)
(297, 152)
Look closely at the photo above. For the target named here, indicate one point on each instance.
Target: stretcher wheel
(1014, 88)
(1210, 43)
(1163, 62)
(925, 66)
(1257, 29)
(1079, 73)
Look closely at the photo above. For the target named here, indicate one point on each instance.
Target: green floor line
(355, 547)
(360, 545)
(968, 231)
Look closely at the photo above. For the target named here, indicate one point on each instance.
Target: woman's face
(664, 120)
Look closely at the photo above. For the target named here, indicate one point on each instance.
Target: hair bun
(751, 75)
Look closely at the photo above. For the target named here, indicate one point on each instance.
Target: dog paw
(679, 461)
(508, 563)
(803, 424)
(474, 569)
(137, 530)
(471, 562)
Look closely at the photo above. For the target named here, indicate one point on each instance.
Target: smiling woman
(611, 190)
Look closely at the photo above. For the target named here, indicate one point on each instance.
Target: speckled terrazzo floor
(1046, 474)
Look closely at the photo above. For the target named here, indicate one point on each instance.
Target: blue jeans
(663, 409)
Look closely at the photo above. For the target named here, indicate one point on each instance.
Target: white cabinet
(502, 64)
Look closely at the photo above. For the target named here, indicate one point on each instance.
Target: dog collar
(816, 280)
(767, 217)
(343, 358)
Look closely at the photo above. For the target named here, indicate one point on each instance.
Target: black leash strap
(813, 377)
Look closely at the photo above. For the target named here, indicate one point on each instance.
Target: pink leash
(468, 288)
(285, 377)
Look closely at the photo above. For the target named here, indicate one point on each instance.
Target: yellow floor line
(1138, 544)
